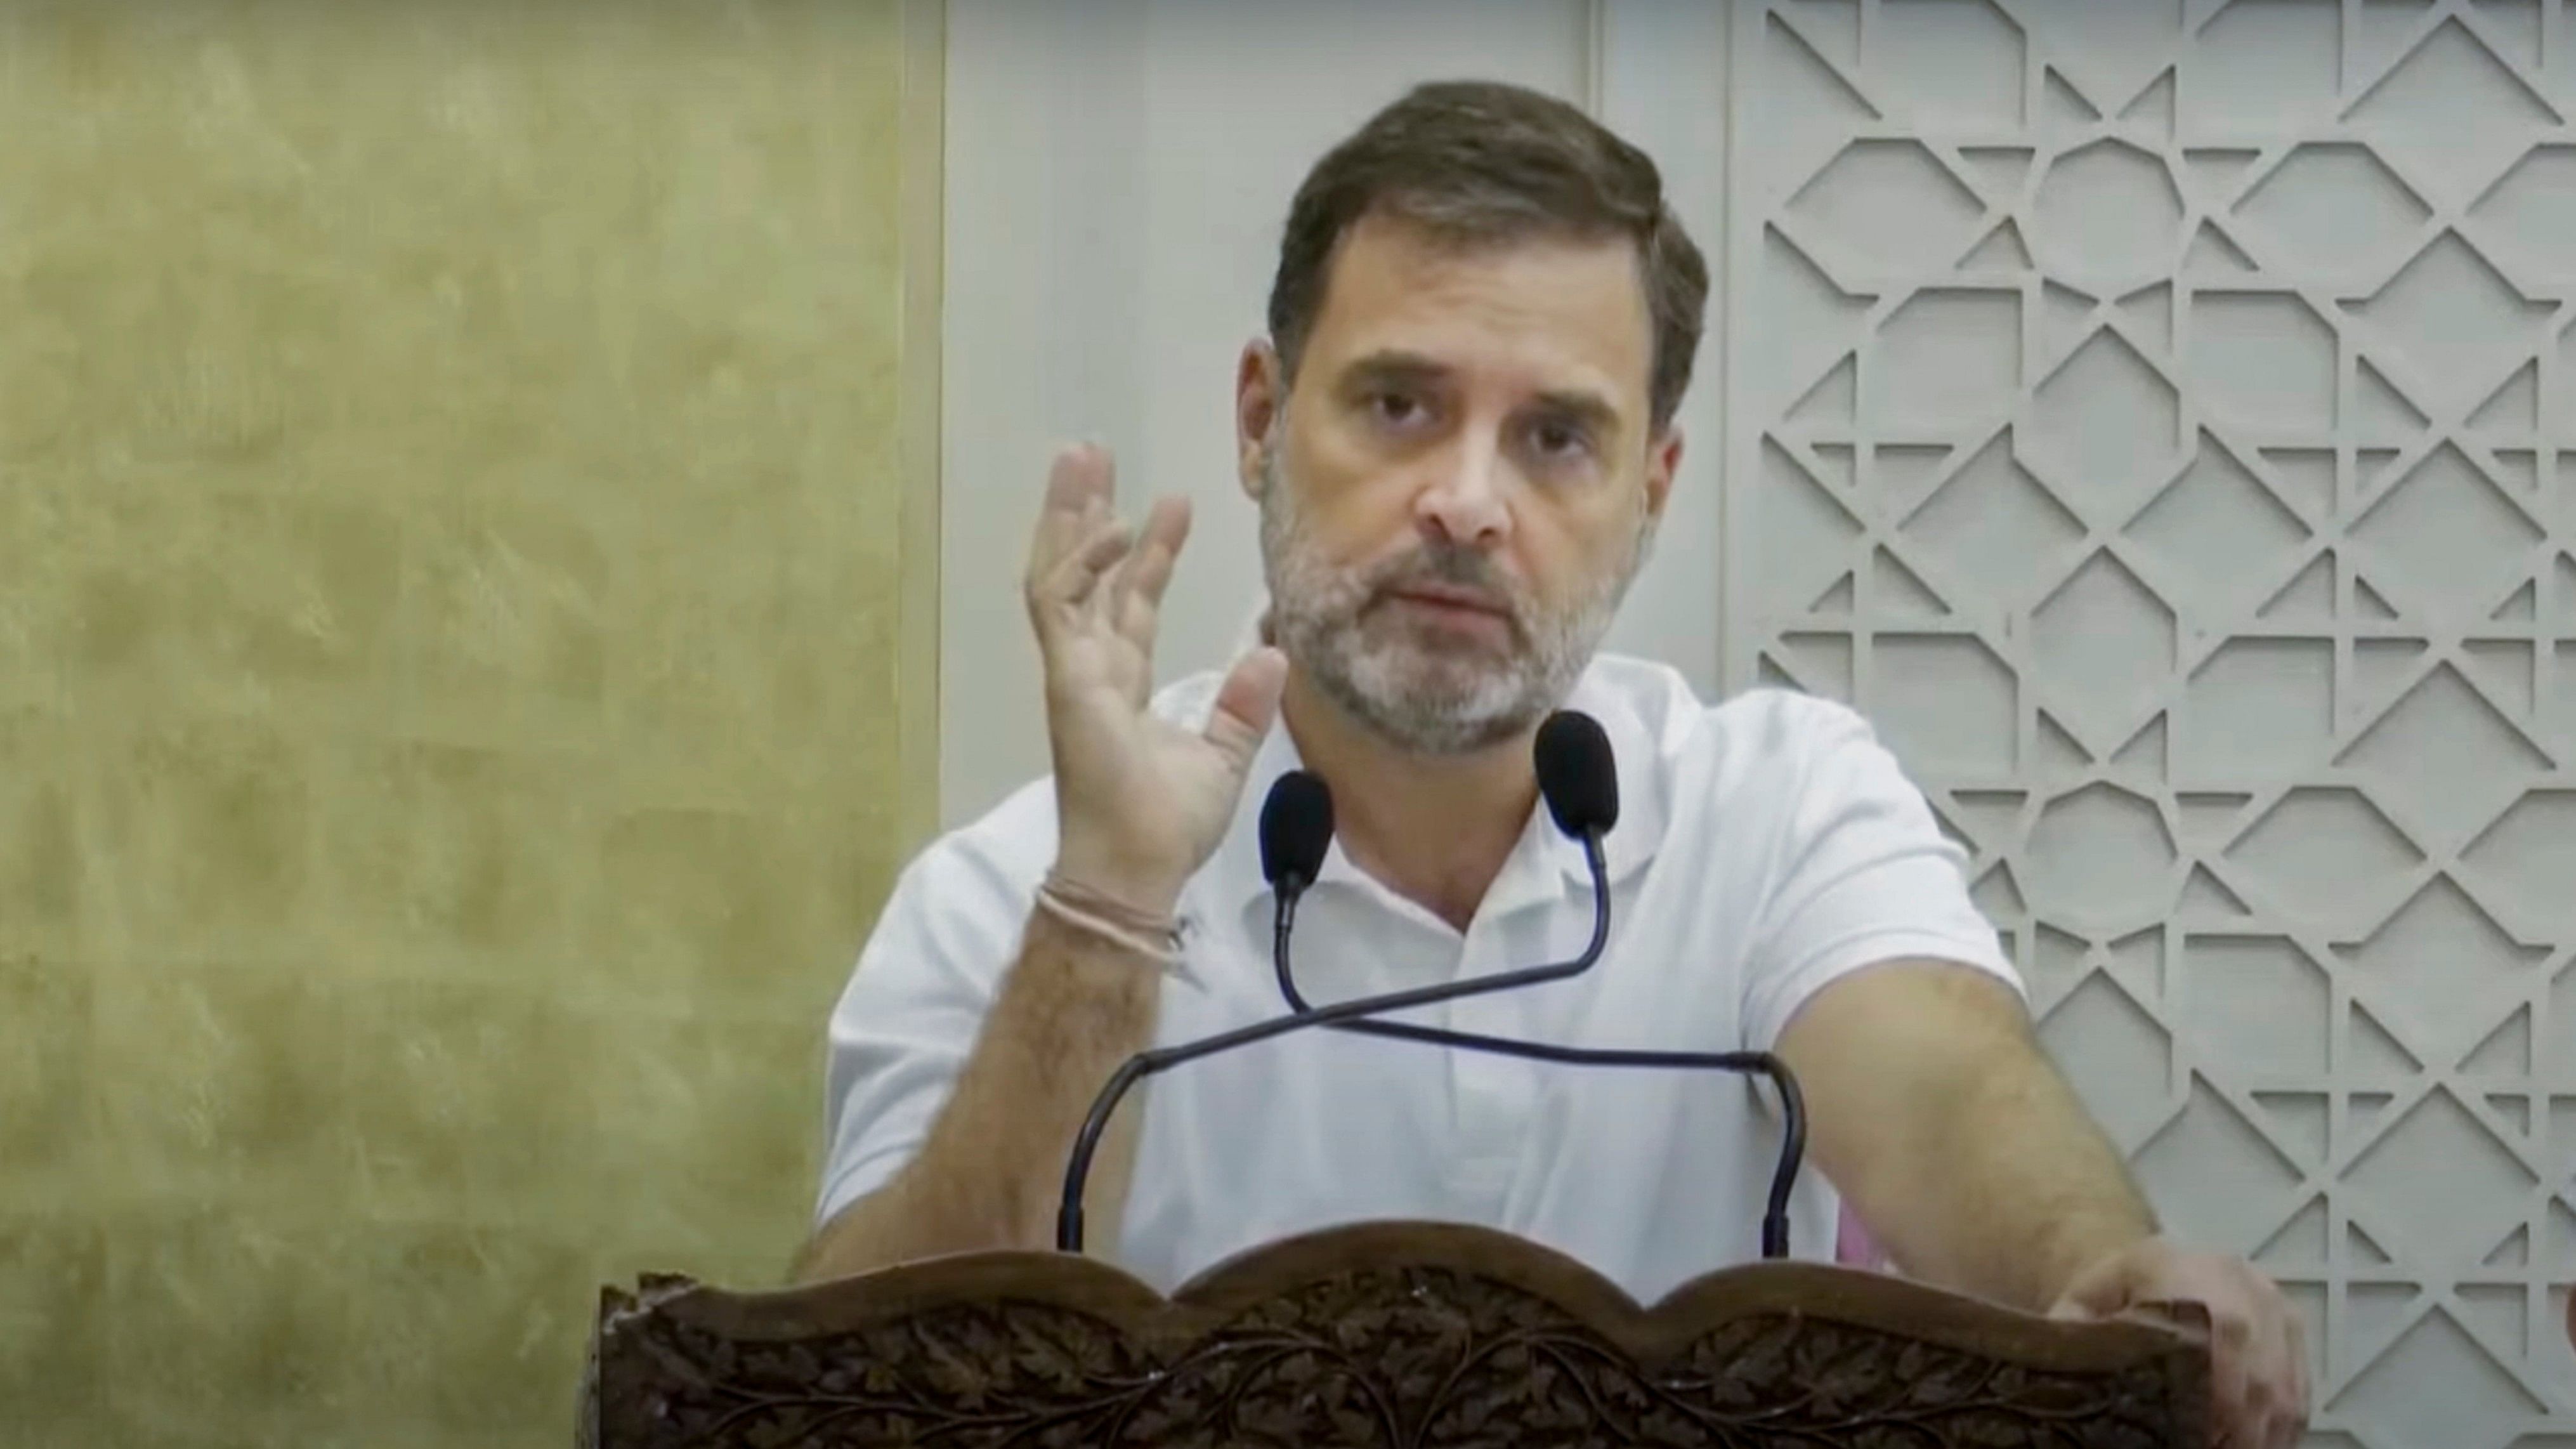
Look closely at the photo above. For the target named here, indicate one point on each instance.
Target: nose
(1463, 503)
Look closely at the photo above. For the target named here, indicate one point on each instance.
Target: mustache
(1455, 567)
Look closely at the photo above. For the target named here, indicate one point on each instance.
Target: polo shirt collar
(1236, 868)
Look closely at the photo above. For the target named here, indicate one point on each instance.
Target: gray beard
(1427, 701)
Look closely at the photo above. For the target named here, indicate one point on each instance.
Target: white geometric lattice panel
(2160, 416)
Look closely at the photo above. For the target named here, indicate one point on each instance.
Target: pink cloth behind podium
(1854, 1247)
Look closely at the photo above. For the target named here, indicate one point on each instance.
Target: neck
(1433, 829)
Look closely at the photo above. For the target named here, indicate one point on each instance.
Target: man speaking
(1459, 433)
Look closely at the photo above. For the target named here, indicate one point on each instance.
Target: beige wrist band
(1112, 920)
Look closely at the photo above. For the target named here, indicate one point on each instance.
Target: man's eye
(1560, 440)
(1395, 407)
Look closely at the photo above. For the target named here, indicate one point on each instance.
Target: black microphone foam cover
(1296, 828)
(1577, 775)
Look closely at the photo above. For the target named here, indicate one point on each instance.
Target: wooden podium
(1393, 1334)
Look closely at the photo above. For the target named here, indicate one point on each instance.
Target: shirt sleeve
(901, 1032)
(1865, 876)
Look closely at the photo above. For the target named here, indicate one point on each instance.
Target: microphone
(1578, 779)
(1577, 775)
(1580, 782)
(1296, 833)
(1560, 751)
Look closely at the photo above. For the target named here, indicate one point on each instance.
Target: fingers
(1080, 483)
(1079, 581)
(1084, 564)
(2103, 1290)
(1082, 475)
(1167, 527)
(1077, 538)
(1071, 590)
(2259, 1363)
(1148, 571)
(1246, 703)
(2258, 1367)
(2258, 1357)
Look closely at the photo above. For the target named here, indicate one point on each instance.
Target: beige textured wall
(460, 680)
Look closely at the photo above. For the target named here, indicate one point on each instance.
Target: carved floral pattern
(1414, 1356)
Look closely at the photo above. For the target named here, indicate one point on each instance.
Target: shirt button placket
(1484, 1087)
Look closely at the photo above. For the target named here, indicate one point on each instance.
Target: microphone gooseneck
(1578, 778)
(1296, 834)
(1068, 1233)
(1793, 1106)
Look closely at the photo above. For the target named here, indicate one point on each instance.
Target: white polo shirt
(1765, 846)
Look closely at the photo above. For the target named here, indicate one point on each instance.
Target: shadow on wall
(448, 605)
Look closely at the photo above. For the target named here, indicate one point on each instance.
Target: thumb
(2108, 1287)
(1246, 704)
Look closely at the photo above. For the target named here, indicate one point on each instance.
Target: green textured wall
(460, 688)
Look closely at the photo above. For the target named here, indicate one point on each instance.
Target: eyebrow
(1393, 366)
(1590, 409)
(1396, 366)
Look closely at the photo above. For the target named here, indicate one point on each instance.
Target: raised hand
(1141, 801)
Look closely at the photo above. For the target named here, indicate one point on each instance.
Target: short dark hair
(1479, 162)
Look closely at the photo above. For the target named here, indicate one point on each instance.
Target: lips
(1460, 599)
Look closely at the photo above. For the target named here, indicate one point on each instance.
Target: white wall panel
(1118, 171)
(2161, 418)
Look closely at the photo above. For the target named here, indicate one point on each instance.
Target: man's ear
(1663, 460)
(1260, 396)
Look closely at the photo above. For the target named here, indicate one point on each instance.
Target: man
(1459, 432)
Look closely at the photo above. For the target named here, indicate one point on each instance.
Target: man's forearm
(1933, 1106)
(2036, 1193)
(1071, 1009)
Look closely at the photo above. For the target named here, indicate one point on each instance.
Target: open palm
(1141, 801)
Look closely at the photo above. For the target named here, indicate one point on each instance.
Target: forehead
(1553, 310)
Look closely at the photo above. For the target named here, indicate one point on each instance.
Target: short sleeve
(906, 1022)
(1864, 876)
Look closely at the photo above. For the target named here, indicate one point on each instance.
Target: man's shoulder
(1762, 726)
